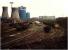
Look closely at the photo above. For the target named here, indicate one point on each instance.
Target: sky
(39, 7)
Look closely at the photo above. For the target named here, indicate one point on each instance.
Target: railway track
(25, 37)
(15, 40)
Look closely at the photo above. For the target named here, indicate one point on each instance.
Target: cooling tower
(15, 13)
(5, 12)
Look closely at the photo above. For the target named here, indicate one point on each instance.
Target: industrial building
(28, 15)
(18, 14)
(47, 17)
(22, 13)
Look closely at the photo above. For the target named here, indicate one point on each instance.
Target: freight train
(21, 26)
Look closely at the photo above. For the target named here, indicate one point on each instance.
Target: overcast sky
(39, 7)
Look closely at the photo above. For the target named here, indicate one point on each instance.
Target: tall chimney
(5, 12)
(15, 14)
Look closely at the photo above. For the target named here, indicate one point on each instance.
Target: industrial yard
(33, 37)
(20, 31)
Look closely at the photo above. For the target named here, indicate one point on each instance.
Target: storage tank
(5, 12)
(22, 13)
(15, 14)
(28, 15)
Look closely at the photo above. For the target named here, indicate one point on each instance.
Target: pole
(11, 4)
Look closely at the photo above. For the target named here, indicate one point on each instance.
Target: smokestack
(5, 12)
(15, 14)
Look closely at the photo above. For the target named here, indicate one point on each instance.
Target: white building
(47, 17)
